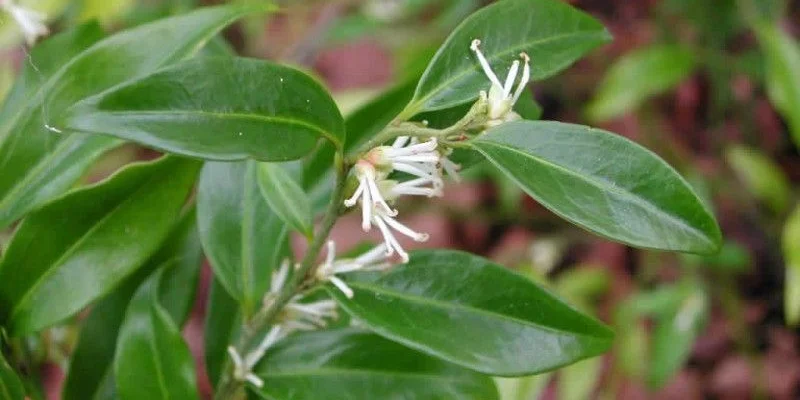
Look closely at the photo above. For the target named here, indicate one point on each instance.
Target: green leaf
(11, 387)
(89, 241)
(222, 320)
(152, 361)
(523, 388)
(471, 312)
(674, 336)
(791, 255)
(36, 164)
(578, 381)
(354, 364)
(638, 75)
(90, 373)
(552, 33)
(242, 237)
(761, 176)
(783, 81)
(285, 196)
(23, 189)
(218, 108)
(614, 188)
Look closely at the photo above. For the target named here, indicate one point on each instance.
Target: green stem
(230, 388)
(401, 127)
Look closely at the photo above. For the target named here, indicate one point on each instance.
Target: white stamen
(279, 277)
(487, 69)
(370, 261)
(512, 75)
(526, 76)
(341, 286)
(500, 98)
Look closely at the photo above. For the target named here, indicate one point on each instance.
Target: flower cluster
(296, 316)
(30, 22)
(373, 260)
(422, 160)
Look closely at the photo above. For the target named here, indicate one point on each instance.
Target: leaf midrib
(361, 371)
(470, 309)
(437, 89)
(231, 115)
(593, 182)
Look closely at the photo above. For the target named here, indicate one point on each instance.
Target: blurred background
(712, 86)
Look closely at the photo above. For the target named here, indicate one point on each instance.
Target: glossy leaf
(242, 237)
(11, 387)
(178, 260)
(552, 33)
(354, 364)
(761, 176)
(222, 320)
(35, 164)
(469, 311)
(221, 108)
(89, 241)
(782, 54)
(152, 361)
(22, 190)
(616, 188)
(639, 75)
(791, 256)
(285, 197)
(674, 336)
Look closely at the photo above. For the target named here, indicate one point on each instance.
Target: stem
(401, 127)
(230, 388)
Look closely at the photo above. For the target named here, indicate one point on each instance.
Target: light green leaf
(218, 108)
(354, 364)
(761, 176)
(11, 387)
(639, 75)
(615, 188)
(89, 241)
(675, 334)
(242, 237)
(552, 33)
(523, 388)
(285, 196)
(152, 361)
(578, 381)
(471, 312)
(791, 256)
(783, 79)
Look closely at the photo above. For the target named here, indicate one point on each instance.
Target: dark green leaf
(11, 387)
(219, 108)
(31, 155)
(354, 364)
(89, 241)
(761, 176)
(285, 196)
(603, 183)
(242, 237)
(222, 320)
(468, 311)
(152, 361)
(791, 255)
(90, 372)
(552, 33)
(783, 80)
(27, 185)
(639, 75)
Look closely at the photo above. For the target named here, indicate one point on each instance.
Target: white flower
(299, 316)
(369, 193)
(373, 260)
(501, 101)
(30, 22)
(243, 367)
(384, 222)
